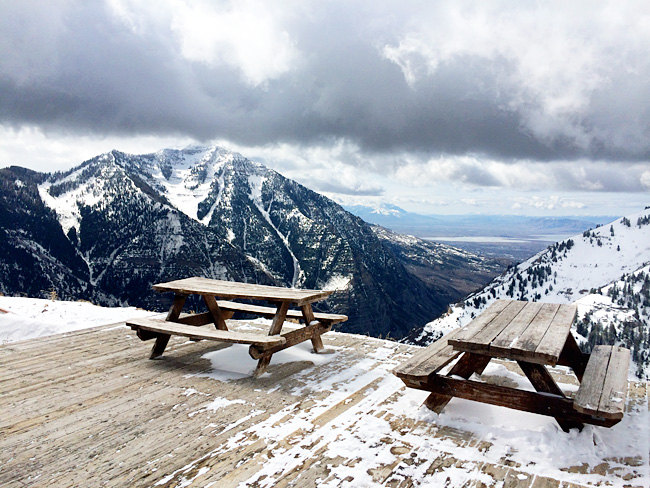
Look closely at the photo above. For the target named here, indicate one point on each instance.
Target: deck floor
(89, 409)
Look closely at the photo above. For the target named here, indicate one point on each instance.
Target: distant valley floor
(512, 250)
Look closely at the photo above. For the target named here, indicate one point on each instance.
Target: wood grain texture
(534, 333)
(508, 338)
(551, 345)
(231, 289)
(292, 338)
(428, 360)
(194, 332)
(540, 403)
(217, 315)
(269, 312)
(604, 386)
(479, 323)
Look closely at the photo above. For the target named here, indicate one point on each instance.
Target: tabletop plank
(529, 340)
(480, 340)
(232, 289)
(509, 337)
(483, 320)
(551, 345)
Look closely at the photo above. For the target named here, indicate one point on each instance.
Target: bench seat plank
(603, 389)
(270, 312)
(429, 360)
(161, 326)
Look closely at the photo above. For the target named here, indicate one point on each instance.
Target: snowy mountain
(108, 229)
(450, 271)
(604, 270)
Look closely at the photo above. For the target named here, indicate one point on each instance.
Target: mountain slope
(33, 245)
(110, 228)
(450, 271)
(611, 260)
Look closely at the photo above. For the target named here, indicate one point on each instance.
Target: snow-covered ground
(26, 318)
(371, 428)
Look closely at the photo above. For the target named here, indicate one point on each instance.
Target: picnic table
(536, 336)
(262, 346)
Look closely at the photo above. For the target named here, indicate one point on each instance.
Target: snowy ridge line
(571, 271)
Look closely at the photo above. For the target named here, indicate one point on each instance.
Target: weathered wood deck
(88, 409)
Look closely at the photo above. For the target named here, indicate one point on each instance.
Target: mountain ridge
(127, 221)
(603, 270)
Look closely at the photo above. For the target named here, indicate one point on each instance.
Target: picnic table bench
(536, 336)
(262, 346)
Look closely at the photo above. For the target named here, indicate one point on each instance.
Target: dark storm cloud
(354, 72)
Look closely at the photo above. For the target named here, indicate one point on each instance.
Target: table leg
(542, 380)
(308, 315)
(276, 328)
(573, 357)
(172, 316)
(467, 365)
(217, 315)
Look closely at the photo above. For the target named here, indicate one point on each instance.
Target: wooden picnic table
(262, 347)
(536, 336)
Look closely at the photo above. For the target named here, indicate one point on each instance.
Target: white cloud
(244, 34)
(549, 59)
(645, 179)
(60, 152)
(551, 202)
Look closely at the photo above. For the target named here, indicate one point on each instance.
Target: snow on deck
(87, 408)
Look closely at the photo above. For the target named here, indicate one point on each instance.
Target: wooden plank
(612, 401)
(164, 327)
(308, 317)
(481, 339)
(573, 357)
(554, 340)
(587, 398)
(292, 338)
(604, 385)
(527, 401)
(531, 337)
(276, 328)
(544, 383)
(159, 346)
(231, 289)
(177, 306)
(269, 312)
(215, 311)
(466, 366)
(507, 339)
(163, 339)
(483, 320)
(196, 319)
(429, 360)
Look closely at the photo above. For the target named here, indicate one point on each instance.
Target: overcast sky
(440, 107)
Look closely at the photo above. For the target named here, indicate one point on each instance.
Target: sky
(531, 107)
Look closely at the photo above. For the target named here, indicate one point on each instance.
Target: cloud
(488, 94)
(547, 203)
(246, 35)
